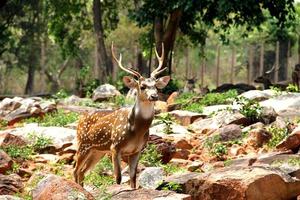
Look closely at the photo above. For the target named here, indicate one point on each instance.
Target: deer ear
(162, 82)
(129, 82)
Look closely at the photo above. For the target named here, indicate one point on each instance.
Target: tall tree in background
(169, 16)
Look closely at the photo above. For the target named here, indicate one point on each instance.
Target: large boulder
(165, 148)
(120, 192)
(258, 137)
(56, 188)
(10, 184)
(238, 183)
(258, 95)
(7, 139)
(104, 92)
(60, 137)
(221, 119)
(291, 142)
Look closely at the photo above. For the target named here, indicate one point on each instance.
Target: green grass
(278, 134)
(59, 118)
(96, 177)
(25, 152)
(208, 100)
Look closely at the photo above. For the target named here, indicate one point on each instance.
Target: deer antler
(130, 71)
(160, 59)
(269, 71)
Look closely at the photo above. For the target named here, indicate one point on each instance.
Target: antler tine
(130, 71)
(269, 71)
(160, 59)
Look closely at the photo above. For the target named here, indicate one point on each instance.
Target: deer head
(146, 87)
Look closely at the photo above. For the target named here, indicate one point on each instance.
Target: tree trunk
(79, 90)
(102, 62)
(168, 36)
(30, 76)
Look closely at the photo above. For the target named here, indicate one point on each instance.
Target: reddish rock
(196, 165)
(230, 132)
(166, 149)
(238, 183)
(66, 158)
(258, 137)
(160, 106)
(185, 118)
(181, 154)
(5, 162)
(194, 156)
(236, 150)
(291, 142)
(7, 139)
(56, 188)
(10, 184)
(183, 144)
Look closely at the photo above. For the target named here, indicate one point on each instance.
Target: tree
(169, 16)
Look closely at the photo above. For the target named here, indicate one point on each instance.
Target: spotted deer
(124, 132)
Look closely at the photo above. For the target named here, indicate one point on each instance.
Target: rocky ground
(246, 148)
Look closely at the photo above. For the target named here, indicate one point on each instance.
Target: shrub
(249, 108)
(292, 88)
(59, 118)
(150, 156)
(278, 134)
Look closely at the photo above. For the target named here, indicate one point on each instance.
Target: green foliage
(150, 156)
(278, 134)
(172, 169)
(176, 187)
(249, 108)
(97, 178)
(277, 91)
(186, 99)
(39, 141)
(90, 86)
(167, 120)
(219, 150)
(59, 118)
(219, 98)
(16, 152)
(3, 124)
(61, 94)
(292, 88)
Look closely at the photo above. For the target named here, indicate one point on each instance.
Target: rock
(195, 166)
(34, 111)
(56, 188)
(185, 118)
(172, 98)
(66, 158)
(164, 148)
(73, 100)
(230, 132)
(257, 95)
(194, 156)
(176, 131)
(236, 150)
(183, 144)
(150, 177)
(7, 139)
(253, 126)
(160, 106)
(120, 192)
(221, 119)
(181, 154)
(258, 137)
(17, 115)
(10, 184)
(268, 115)
(48, 106)
(182, 163)
(279, 123)
(285, 105)
(209, 110)
(45, 158)
(5, 162)
(9, 197)
(61, 137)
(291, 142)
(10, 104)
(104, 92)
(251, 183)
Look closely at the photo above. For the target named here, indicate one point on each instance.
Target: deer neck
(141, 115)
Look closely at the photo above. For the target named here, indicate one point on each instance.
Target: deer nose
(154, 97)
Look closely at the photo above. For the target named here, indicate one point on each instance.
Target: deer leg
(80, 161)
(133, 163)
(116, 158)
